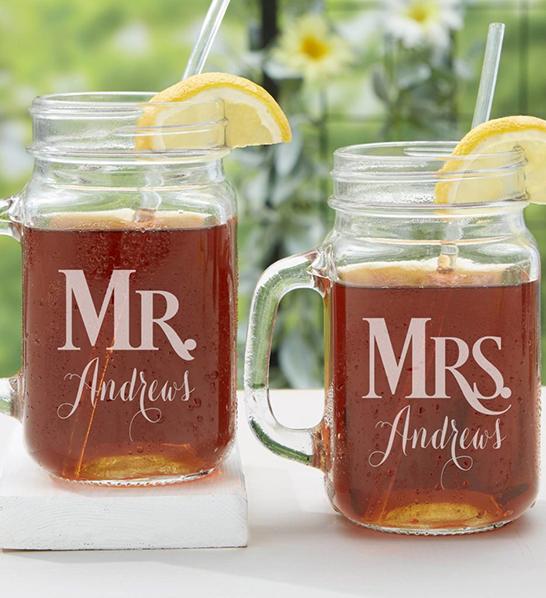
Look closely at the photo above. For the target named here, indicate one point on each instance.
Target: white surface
(210, 513)
(298, 547)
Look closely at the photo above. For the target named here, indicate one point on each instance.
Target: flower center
(313, 47)
(421, 12)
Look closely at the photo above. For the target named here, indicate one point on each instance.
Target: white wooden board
(38, 512)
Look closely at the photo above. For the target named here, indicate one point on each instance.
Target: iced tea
(435, 388)
(129, 346)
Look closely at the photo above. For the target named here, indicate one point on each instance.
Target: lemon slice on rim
(251, 114)
(499, 135)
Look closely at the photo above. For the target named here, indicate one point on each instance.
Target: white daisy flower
(422, 22)
(310, 49)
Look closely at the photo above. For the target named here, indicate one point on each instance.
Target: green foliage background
(77, 45)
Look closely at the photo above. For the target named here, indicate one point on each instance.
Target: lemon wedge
(251, 115)
(499, 135)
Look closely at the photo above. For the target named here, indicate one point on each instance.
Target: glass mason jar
(129, 293)
(431, 422)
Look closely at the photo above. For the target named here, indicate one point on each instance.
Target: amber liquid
(418, 486)
(123, 427)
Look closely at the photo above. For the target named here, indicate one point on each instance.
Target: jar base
(404, 531)
(151, 482)
(141, 470)
(451, 513)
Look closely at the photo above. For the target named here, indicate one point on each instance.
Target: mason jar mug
(430, 282)
(129, 293)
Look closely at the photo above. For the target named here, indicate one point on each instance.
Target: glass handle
(279, 279)
(10, 395)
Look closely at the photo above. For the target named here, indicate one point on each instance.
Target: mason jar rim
(94, 127)
(364, 172)
(391, 157)
(99, 101)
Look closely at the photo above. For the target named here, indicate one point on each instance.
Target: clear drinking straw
(207, 35)
(482, 113)
(449, 250)
(490, 70)
(150, 200)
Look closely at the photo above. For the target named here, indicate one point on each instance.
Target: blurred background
(345, 71)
